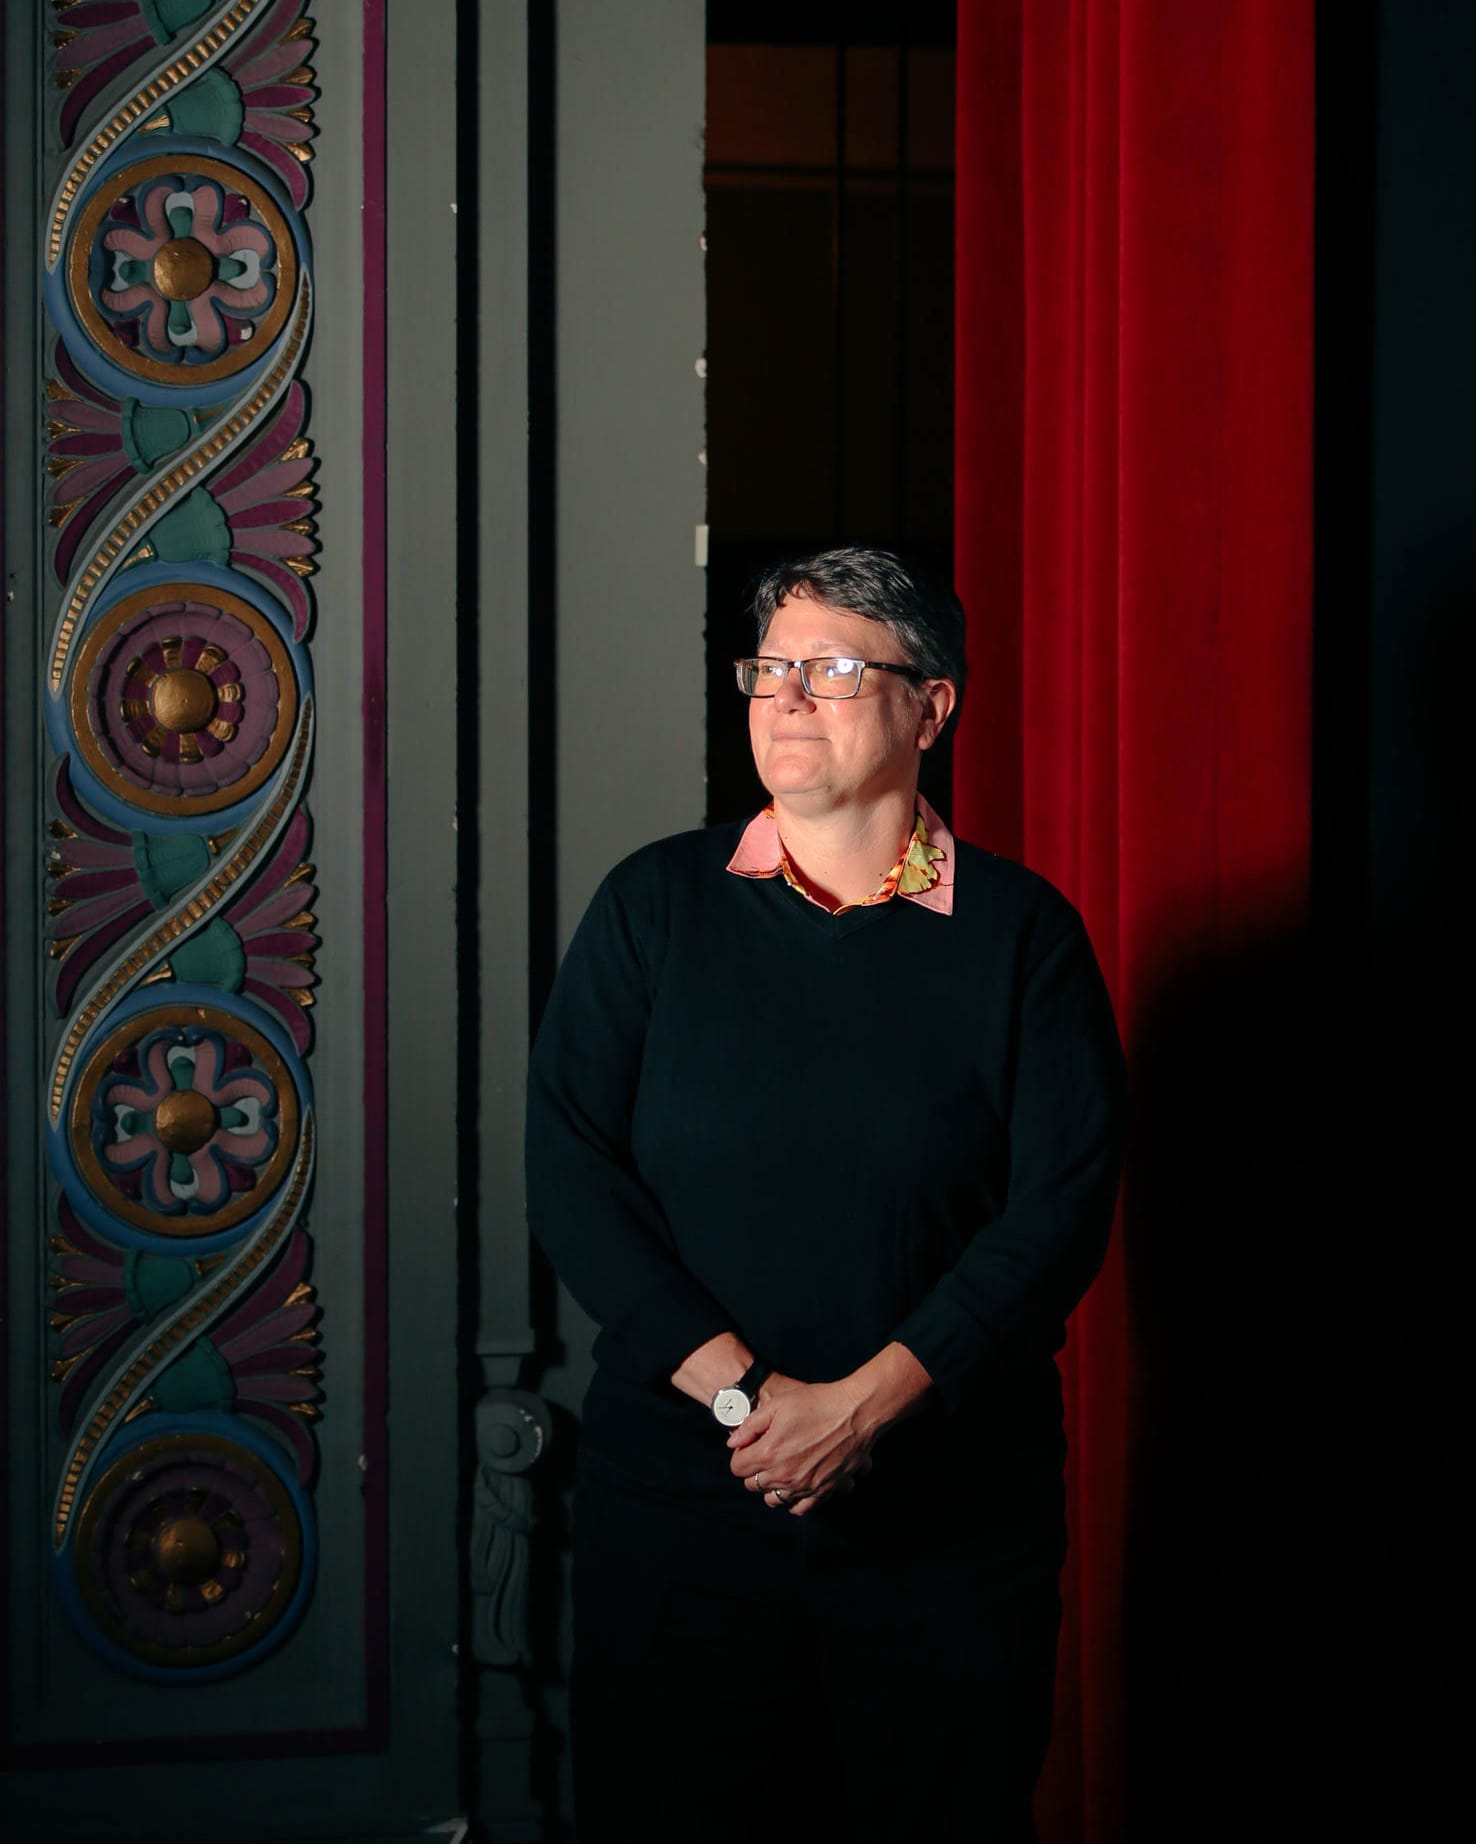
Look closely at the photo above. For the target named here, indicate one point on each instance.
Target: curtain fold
(1134, 549)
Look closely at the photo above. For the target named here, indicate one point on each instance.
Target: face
(818, 755)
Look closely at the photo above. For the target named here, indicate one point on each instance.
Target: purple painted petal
(272, 913)
(262, 899)
(239, 1177)
(88, 443)
(288, 167)
(275, 127)
(271, 483)
(287, 584)
(278, 96)
(283, 1389)
(100, 41)
(78, 815)
(78, 1385)
(96, 1327)
(282, 973)
(94, 1270)
(83, 92)
(276, 512)
(88, 952)
(87, 916)
(87, 1299)
(266, 446)
(276, 62)
(90, 416)
(91, 851)
(99, 883)
(77, 382)
(275, 1329)
(104, 473)
(281, 945)
(101, 13)
(279, 1360)
(80, 523)
(272, 543)
(293, 1428)
(293, 1017)
(81, 1238)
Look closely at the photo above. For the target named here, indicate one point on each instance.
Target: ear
(937, 700)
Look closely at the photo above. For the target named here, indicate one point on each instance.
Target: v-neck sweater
(823, 1132)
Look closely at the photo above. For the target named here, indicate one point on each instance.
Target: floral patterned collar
(923, 874)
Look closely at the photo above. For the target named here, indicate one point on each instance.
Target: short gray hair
(927, 619)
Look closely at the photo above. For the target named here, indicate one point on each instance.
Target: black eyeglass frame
(802, 666)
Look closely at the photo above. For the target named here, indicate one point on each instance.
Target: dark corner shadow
(1297, 1220)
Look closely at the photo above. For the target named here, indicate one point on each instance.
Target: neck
(843, 854)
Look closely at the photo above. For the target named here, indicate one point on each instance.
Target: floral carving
(105, 882)
(262, 1358)
(256, 514)
(266, 494)
(189, 272)
(181, 1128)
(257, 95)
(274, 85)
(184, 1121)
(95, 443)
(99, 39)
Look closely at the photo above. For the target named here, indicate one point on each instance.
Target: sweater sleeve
(1021, 1273)
(602, 1229)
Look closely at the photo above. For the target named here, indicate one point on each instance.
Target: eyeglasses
(821, 678)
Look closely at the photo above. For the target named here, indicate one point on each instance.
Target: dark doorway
(829, 312)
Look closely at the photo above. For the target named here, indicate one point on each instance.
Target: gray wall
(590, 605)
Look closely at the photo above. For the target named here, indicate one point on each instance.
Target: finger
(759, 1457)
(751, 1427)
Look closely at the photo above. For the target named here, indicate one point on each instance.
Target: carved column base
(506, 1724)
(513, 1428)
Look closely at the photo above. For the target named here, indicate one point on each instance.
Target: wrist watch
(735, 1404)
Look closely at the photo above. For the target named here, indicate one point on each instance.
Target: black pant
(774, 1678)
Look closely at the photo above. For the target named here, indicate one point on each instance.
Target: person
(824, 1127)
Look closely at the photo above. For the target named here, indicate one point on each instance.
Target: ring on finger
(779, 1497)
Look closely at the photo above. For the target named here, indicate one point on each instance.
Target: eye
(840, 668)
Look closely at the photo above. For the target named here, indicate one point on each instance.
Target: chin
(790, 779)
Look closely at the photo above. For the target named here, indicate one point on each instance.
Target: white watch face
(731, 1406)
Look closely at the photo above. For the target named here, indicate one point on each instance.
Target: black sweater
(822, 1132)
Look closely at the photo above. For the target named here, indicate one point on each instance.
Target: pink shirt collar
(760, 853)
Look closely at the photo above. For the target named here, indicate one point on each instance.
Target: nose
(791, 695)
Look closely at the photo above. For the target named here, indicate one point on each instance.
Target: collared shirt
(923, 874)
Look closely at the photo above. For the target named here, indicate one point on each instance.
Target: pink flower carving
(190, 274)
(184, 1121)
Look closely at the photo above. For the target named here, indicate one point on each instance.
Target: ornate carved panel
(178, 704)
(228, 1231)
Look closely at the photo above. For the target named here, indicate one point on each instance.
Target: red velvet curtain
(1134, 549)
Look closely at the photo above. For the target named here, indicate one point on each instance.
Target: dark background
(1297, 1199)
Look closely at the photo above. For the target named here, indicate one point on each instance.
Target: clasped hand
(808, 1440)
